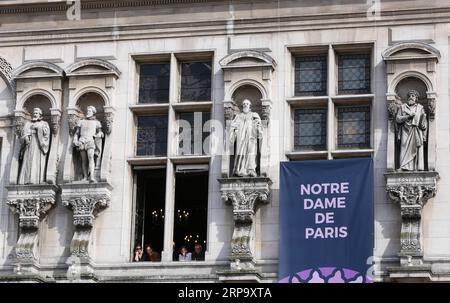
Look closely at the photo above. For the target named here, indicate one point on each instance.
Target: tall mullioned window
(354, 74)
(174, 95)
(331, 120)
(310, 129)
(353, 126)
(311, 76)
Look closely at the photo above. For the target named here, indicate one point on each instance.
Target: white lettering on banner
(324, 188)
(315, 204)
(326, 232)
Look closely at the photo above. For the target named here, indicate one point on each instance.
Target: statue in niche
(35, 144)
(88, 140)
(412, 133)
(246, 131)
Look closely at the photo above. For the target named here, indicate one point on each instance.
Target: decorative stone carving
(32, 203)
(230, 109)
(6, 71)
(73, 120)
(412, 133)
(246, 132)
(431, 108)
(109, 120)
(85, 208)
(55, 122)
(88, 141)
(393, 107)
(19, 124)
(411, 190)
(266, 108)
(86, 201)
(35, 145)
(245, 195)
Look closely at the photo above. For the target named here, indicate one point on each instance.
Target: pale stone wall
(269, 25)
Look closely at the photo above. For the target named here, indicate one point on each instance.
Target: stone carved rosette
(32, 204)
(86, 201)
(245, 195)
(411, 190)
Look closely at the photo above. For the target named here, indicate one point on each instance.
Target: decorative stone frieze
(411, 190)
(32, 203)
(245, 195)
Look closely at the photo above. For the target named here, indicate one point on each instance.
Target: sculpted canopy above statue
(246, 132)
(412, 126)
(35, 145)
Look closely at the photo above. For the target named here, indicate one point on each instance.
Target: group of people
(150, 255)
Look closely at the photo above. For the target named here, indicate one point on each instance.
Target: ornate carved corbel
(245, 195)
(411, 191)
(85, 209)
(32, 206)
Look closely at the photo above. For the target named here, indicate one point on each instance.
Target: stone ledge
(414, 273)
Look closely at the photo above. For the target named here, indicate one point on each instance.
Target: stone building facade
(327, 81)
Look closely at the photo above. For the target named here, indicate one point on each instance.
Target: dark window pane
(196, 123)
(196, 81)
(310, 129)
(311, 76)
(354, 74)
(152, 136)
(353, 127)
(154, 83)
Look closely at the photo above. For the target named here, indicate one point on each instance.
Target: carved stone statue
(411, 132)
(246, 130)
(35, 144)
(88, 140)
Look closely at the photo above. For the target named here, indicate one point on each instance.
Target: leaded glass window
(196, 81)
(196, 122)
(152, 135)
(354, 74)
(353, 126)
(154, 83)
(311, 76)
(310, 129)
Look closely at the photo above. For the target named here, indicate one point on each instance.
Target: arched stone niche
(411, 66)
(38, 84)
(91, 83)
(248, 75)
